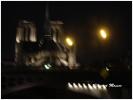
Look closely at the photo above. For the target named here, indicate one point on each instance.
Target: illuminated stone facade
(49, 49)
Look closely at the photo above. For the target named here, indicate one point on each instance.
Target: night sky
(82, 20)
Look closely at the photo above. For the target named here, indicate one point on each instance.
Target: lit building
(49, 50)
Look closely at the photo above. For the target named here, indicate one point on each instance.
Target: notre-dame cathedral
(49, 51)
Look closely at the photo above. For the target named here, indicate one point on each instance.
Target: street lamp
(69, 41)
(103, 34)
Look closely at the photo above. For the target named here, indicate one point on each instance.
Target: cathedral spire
(47, 27)
(47, 12)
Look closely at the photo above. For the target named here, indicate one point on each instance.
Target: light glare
(80, 86)
(90, 87)
(99, 86)
(103, 34)
(46, 67)
(69, 41)
(107, 68)
(84, 86)
(69, 85)
(75, 86)
(94, 86)
(104, 87)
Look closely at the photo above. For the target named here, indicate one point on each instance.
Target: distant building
(49, 50)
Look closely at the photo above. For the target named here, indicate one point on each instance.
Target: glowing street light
(69, 41)
(103, 33)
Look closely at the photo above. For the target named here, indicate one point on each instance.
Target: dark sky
(81, 19)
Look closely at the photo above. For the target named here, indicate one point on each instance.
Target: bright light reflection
(84, 86)
(90, 87)
(69, 85)
(94, 86)
(46, 67)
(107, 68)
(99, 86)
(104, 87)
(80, 86)
(75, 86)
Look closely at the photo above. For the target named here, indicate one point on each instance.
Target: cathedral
(48, 52)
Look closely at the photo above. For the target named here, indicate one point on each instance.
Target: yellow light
(104, 73)
(69, 41)
(103, 34)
